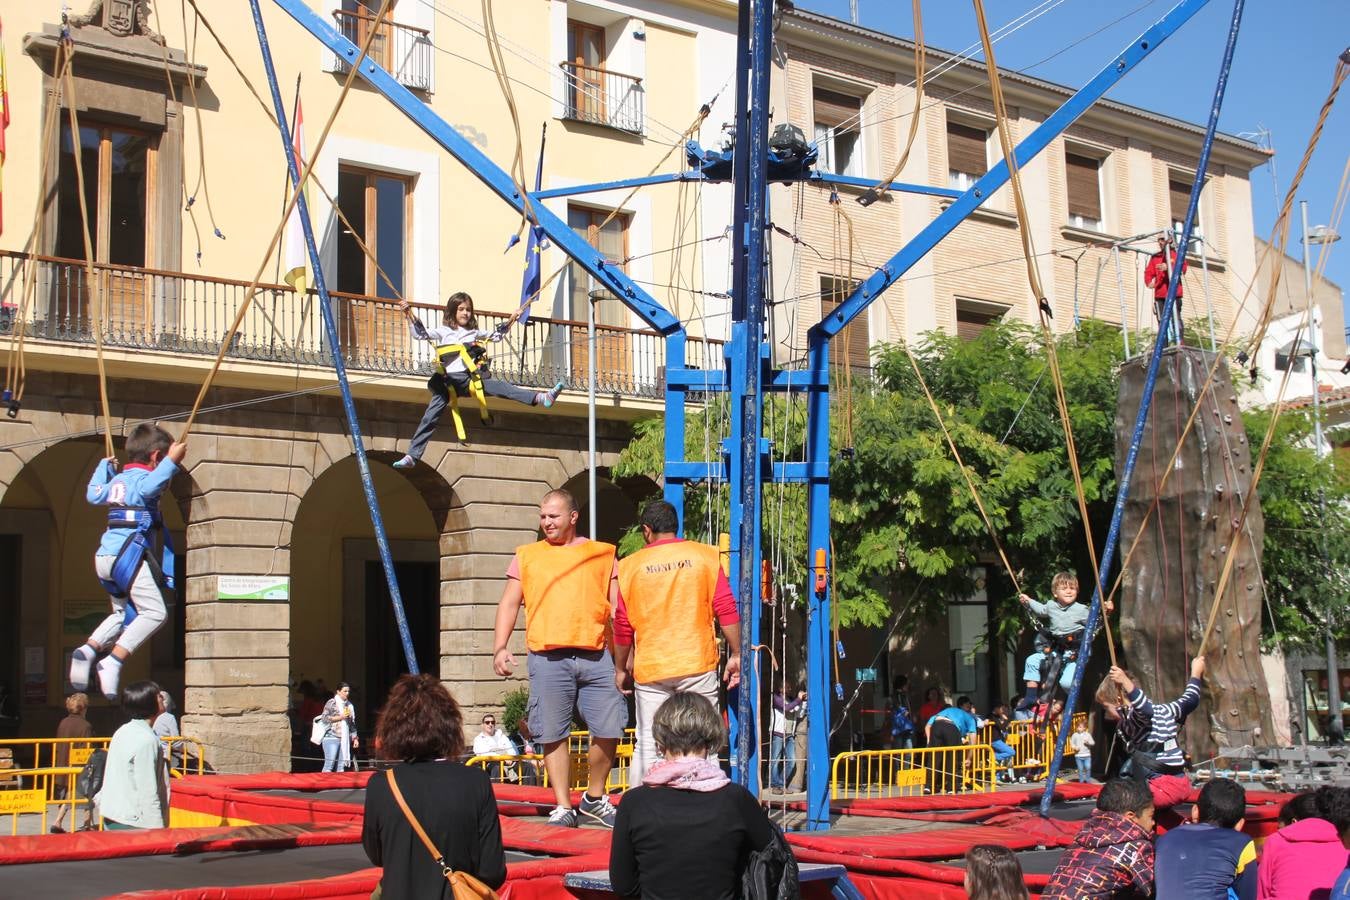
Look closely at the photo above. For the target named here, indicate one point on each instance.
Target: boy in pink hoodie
(1302, 861)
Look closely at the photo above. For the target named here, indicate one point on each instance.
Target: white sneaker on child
(80, 662)
(109, 673)
(547, 398)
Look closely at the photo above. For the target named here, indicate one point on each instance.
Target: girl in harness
(135, 578)
(462, 365)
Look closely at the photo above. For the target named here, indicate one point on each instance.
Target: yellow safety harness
(474, 357)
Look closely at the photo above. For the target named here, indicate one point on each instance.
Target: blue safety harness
(136, 550)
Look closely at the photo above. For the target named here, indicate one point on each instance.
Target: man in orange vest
(567, 586)
(670, 592)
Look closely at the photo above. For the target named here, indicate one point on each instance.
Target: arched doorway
(51, 599)
(342, 623)
(617, 503)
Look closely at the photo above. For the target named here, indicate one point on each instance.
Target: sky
(1282, 71)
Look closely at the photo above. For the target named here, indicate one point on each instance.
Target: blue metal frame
(747, 376)
(1145, 402)
(330, 329)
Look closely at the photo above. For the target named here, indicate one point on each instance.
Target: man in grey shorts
(568, 587)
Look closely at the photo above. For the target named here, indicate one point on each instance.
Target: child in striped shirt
(1151, 731)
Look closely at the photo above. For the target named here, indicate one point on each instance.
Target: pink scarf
(687, 773)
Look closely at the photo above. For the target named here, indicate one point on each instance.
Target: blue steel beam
(1145, 401)
(488, 172)
(330, 329)
(996, 177)
(601, 186)
(903, 187)
(749, 362)
(818, 545)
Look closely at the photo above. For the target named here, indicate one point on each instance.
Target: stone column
(238, 654)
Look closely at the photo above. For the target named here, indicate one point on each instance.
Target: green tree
(908, 534)
(1306, 505)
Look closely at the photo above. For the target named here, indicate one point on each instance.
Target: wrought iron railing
(174, 312)
(404, 51)
(602, 97)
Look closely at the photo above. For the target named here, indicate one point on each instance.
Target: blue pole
(738, 711)
(818, 647)
(747, 372)
(673, 491)
(330, 329)
(1145, 401)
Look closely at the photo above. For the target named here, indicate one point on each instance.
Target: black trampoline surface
(355, 796)
(1033, 862)
(101, 877)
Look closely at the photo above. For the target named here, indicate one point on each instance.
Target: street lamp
(1322, 234)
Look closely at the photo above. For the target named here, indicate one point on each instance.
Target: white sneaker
(109, 674)
(563, 816)
(81, 661)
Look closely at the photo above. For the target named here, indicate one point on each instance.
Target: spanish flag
(4, 123)
(296, 259)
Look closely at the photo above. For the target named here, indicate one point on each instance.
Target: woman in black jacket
(686, 831)
(422, 726)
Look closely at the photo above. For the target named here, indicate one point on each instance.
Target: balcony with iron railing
(404, 51)
(175, 313)
(601, 97)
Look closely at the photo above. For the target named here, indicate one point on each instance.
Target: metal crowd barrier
(964, 769)
(528, 768)
(34, 789)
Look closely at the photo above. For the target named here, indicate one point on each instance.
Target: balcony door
(358, 20)
(379, 207)
(586, 59)
(119, 176)
(613, 351)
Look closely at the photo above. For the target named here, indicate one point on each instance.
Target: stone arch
(342, 626)
(618, 501)
(48, 534)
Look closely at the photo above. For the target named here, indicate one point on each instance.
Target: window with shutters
(1179, 197)
(838, 118)
(967, 154)
(854, 342)
(974, 316)
(1083, 184)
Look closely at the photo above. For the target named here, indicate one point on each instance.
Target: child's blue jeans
(1084, 767)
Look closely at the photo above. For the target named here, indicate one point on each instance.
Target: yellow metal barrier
(529, 768)
(964, 769)
(50, 780)
(1032, 746)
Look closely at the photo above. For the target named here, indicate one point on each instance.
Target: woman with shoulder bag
(430, 821)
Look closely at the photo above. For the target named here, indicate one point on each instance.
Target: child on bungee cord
(461, 365)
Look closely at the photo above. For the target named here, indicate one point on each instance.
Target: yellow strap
(475, 387)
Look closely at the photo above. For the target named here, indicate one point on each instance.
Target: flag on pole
(4, 123)
(533, 246)
(295, 258)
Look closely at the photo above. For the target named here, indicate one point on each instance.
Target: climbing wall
(1169, 583)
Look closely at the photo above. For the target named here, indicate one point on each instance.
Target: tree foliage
(1306, 505)
(907, 531)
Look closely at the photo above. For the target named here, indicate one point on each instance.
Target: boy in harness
(1063, 621)
(135, 577)
(462, 366)
(1151, 732)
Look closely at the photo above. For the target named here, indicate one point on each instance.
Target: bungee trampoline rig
(744, 461)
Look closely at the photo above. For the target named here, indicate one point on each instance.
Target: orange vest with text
(566, 594)
(668, 592)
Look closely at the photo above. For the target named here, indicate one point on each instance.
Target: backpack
(771, 873)
(901, 723)
(90, 780)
